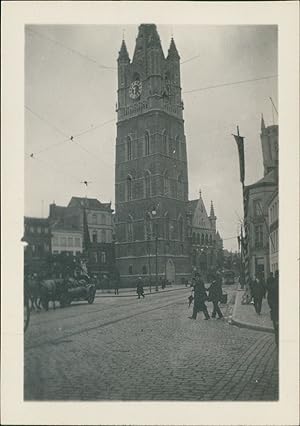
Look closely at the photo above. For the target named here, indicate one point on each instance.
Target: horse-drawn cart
(65, 291)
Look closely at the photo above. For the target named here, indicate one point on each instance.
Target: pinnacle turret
(173, 52)
(212, 212)
(123, 53)
(262, 126)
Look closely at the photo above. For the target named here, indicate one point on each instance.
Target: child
(190, 299)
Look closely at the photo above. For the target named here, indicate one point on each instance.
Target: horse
(34, 291)
(51, 291)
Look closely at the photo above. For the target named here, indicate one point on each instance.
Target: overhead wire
(231, 83)
(74, 51)
(68, 138)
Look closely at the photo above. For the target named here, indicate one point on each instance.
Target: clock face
(135, 89)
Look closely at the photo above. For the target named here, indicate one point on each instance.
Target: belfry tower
(151, 180)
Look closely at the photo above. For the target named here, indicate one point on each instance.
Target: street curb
(243, 324)
(135, 295)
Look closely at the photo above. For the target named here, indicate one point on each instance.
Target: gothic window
(257, 206)
(103, 218)
(129, 148)
(103, 257)
(94, 237)
(147, 144)
(165, 142)
(148, 229)
(198, 238)
(202, 239)
(179, 187)
(258, 235)
(210, 240)
(129, 188)
(194, 257)
(144, 270)
(180, 228)
(130, 230)
(130, 270)
(167, 226)
(94, 219)
(193, 237)
(166, 183)
(103, 236)
(206, 239)
(147, 184)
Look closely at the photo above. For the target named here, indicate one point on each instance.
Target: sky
(70, 90)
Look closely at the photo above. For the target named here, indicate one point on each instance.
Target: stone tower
(269, 143)
(151, 180)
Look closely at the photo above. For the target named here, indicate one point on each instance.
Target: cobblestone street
(148, 349)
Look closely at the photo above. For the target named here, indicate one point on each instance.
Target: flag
(240, 144)
(86, 234)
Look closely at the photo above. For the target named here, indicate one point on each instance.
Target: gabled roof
(89, 203)
(199, 215)
(269, 179)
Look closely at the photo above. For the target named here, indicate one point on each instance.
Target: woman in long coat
(200, 296)
(215, 295)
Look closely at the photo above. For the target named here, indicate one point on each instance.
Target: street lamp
(154, 213)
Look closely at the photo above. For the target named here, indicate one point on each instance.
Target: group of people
(259, 290)
(201, 295)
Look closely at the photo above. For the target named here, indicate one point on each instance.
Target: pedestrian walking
(140, 288)
(272, 298)
(200, 296)
(215, 296)
(116, 286)
(258, 292)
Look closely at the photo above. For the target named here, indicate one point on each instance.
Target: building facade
(151, 180)
(66, 240)
(206, 243)
(258, 197)
(37, 235)
(89, 223)
(274, 230)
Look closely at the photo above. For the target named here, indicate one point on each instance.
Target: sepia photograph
(153, 152)
(151, 205)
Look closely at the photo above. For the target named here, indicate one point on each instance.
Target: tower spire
(263, 126)
(123, 53)
(173, 52)
(212, 212)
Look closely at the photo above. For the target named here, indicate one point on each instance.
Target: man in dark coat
(200, 297)
(273, 293)
(259, 292)
(215, 295)
(140, 288)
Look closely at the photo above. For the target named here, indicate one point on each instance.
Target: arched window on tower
(129, 188)
(148, 227)
(165, 142)
(129, 148)
(179, 187)
(147, 143)
(167, 226)
(130, 229)
(147, 184)
(180, 228)
(166, 183)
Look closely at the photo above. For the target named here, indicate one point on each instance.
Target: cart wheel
(91, 299)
